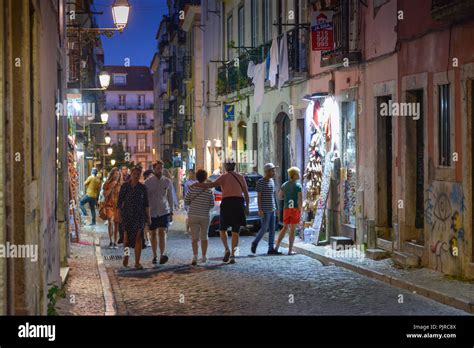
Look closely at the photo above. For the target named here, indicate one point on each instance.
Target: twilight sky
(137, 42)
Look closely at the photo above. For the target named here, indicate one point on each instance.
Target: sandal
(138, 267)
(125, 261)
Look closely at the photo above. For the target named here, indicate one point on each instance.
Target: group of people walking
(132, 207)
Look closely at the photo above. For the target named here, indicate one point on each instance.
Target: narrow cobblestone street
(255, 285)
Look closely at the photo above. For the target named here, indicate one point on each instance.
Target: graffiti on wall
(444, 210)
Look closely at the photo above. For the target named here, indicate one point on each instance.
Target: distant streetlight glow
(110, 151)
(112, 162)
(107, 139)
(120, 11)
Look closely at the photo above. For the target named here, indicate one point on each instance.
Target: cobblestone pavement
(261, 285)
(83, 290)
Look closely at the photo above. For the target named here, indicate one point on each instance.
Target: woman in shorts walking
(291, 193)
(200, 201)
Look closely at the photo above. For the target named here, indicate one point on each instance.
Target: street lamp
(104, 79)
(112, 162)
(110, 151)
(107, 139)
(120, 11)
(104, 117)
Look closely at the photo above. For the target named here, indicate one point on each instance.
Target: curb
(394, 281)
(105, 281)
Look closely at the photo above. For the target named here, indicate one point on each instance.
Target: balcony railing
(142, 149)
(232, 78)
(146, 106)
(452, 10)
(147, 126)
(342, 35)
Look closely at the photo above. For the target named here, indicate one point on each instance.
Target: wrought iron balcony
(345, 41)
(232, 78)
(452, 10)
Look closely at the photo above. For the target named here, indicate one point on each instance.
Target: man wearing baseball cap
(267, 208)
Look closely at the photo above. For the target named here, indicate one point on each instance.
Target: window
(444, 126)
(241, 26)
(229, 36)
(122, 119)
(254, 11)
(122, 100)
(122, 139)
(141, 100)
(266, 21)
(120, 79)
(141, 119)
(141, 142)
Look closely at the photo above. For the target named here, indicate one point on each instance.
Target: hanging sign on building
(322, 34)
(229, 112)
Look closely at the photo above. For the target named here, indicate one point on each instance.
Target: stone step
(340, 240)
(405, 259)
(385, 244)
(376, 254)
(414, 248)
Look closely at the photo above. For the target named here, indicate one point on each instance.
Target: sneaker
(91, 224)
(115, 246)
(232, 259)
(155, 261)
(291, 253)
(194, 261)
(111, 245)
(253, 248)
(148, 243)
(274, 252)
(226, 256)
(204, 259)
(163, 259)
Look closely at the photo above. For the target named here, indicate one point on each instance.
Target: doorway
(242, 158)
(415, 174)
(384, 170)
(283, 144)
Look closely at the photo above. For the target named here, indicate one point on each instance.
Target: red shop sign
(322, 31)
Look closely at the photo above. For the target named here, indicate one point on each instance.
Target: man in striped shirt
(199, 201)
(267, 207)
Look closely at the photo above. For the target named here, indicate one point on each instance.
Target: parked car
(253, 220)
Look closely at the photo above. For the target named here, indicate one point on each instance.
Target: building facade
(385, 104)
(32, 170)
(130, 105)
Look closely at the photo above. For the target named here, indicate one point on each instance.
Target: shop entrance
(384, 170)
(415, 148)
